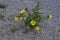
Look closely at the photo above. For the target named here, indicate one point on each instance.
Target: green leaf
(27, 20)
(36, 8)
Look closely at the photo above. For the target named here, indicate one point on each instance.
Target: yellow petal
(49, 16)
(16, 18)
(37, 28)
(22, 11)
(33, 22)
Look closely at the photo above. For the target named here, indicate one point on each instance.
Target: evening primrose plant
(32, 19)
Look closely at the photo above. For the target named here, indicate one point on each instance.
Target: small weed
(14, 29)
(2, 5)
(33, 17)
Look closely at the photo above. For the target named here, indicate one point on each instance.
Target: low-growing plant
(32, 19)
(14, 29)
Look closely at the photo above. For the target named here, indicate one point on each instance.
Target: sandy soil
(50, 30)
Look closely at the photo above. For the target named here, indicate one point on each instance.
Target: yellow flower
(16, 18)
(33, 22)
(22, 11)
(37, 28)
(49, 16)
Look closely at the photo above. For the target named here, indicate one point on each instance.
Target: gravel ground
(50, 30)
